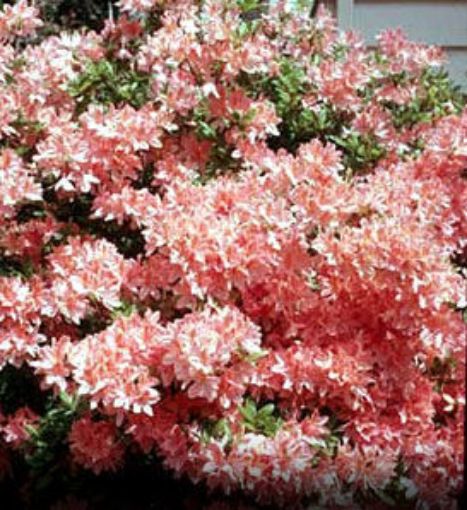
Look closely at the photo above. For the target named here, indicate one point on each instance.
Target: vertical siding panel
(458, 65)
(345, 13)
(439, 22)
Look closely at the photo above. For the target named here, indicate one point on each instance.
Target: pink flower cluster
(94, 444)
(19, 20)
(17, 184)
(289, 325)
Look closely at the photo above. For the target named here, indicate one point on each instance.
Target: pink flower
(198, 347)
(27, 240)
(369, 467)
(406, 55)
(290, 326)
(19, 20)
(95, 446)
(16, 183)
(53, 363)
(110, 368)
(83, 270)
(14, 431)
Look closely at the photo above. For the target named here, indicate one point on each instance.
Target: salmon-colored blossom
(238, 245)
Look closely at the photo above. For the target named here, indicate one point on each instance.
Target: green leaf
(248, 5)
(255, 356)
(263, 421)
(248, 411)
(267, 410)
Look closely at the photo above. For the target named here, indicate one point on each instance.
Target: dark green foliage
(438, 97)
(221, 162)
(109, 82)
(299, 124)
(288, 88)
(48, 438)
(264, 420)
(360, 152)
(217, 429)
(220, 157)
(204, 130)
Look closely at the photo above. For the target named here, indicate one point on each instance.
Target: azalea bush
(232, 249)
